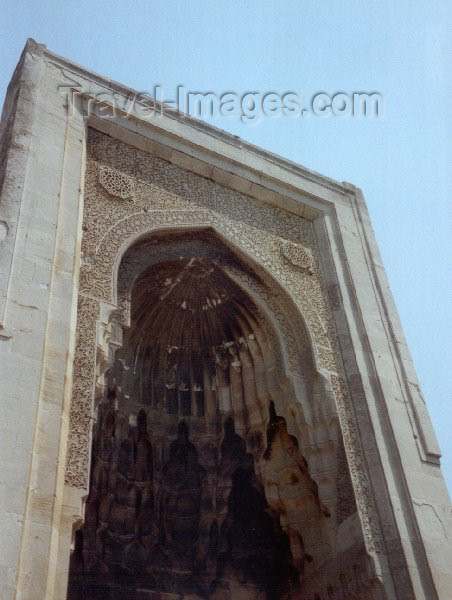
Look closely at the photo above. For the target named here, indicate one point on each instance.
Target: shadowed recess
(197, 489)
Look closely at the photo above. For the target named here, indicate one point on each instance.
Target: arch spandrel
(99, 273)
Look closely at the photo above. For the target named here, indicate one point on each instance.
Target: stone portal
(205, 387)
(197, 488)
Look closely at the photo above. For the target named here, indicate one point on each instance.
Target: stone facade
(207, 392)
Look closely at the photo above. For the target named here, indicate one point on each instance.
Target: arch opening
(198, 489)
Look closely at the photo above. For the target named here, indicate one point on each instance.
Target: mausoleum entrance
(197, 488)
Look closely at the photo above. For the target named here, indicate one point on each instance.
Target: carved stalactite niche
(212, 474)
(193, 475)
(196, 348)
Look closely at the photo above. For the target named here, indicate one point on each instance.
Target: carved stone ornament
(299, 256)
(116, 183)
(369, 519)
(166, 197)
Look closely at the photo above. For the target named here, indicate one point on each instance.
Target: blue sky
(396, 49)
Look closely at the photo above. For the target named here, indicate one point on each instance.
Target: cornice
(201, 136)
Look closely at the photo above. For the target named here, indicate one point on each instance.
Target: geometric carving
(116, 183)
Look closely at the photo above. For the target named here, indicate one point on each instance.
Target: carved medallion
(116, 183)
(298, 255)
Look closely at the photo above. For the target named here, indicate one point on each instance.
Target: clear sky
(398, 49)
